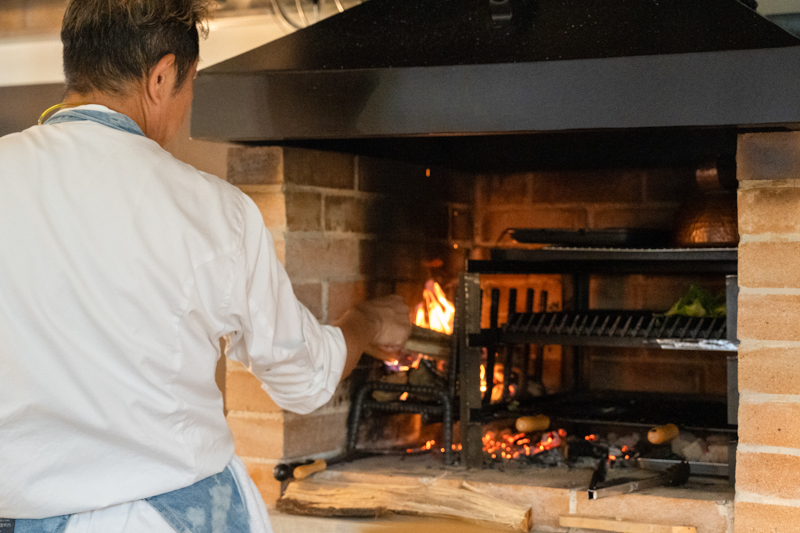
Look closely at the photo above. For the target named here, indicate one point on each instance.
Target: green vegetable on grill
(699, 302)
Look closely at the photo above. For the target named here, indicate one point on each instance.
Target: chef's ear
(161, 81)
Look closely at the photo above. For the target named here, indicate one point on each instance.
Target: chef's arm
(376, 327)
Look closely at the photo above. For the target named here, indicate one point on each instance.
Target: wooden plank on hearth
(620, 526)
(314, 497)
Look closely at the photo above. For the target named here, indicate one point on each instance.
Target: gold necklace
(57, 107)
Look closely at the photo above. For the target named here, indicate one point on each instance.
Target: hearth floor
(705, 503)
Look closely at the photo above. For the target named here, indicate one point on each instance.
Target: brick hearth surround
(768, 464)
(346, 228)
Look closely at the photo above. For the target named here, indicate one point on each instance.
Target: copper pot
(709, 217)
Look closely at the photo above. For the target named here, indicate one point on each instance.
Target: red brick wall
(346, 228)
(768, 460)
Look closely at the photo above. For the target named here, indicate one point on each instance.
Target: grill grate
(617, 328)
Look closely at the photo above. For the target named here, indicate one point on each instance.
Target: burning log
(429, 342)
(327, 498)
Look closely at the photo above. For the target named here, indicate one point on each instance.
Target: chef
(120, 269)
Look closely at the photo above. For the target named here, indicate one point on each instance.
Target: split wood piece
(431, 343)
(610, 524)
(327, 498)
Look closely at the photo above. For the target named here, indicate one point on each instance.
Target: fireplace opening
(354, 227)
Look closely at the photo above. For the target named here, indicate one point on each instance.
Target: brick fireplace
(346, 228)
(352, 227)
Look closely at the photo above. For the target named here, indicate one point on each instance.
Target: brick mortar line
(289, 187)
(769, 238)
(768, 291)
(758, 398)
(276, 416)
(325, 289)
(769, 184)
(751, 497)
(753, 345)
(726, 511)
(328, 192)
(763, 448)
(275, 188)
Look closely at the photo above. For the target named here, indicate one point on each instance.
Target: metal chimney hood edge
(712, 89)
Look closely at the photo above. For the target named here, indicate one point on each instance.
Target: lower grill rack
(612, 328)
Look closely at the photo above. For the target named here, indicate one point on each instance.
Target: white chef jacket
(120, 269)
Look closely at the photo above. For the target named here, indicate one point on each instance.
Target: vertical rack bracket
(469, 308)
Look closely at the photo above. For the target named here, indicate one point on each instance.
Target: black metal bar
(622, 342)
(638, 326)
(491, 354)
(470, 299)
(626, 326)
(602, 327)
(512, 302)
(531, 350)
(444, 408)
(538, 369)
(509, 349)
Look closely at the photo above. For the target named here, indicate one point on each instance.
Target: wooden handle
(526, 424)
(302, 472)
(662, 434)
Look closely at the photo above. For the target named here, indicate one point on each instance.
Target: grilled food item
(526, 424)
(662, 434)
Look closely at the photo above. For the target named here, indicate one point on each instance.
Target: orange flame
(436, 312)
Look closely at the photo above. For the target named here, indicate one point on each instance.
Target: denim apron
(212, 505)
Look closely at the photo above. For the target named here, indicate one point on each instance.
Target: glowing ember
(404, 397)
(509, 445)
(431, 445)
(436, 312)
(483, 378)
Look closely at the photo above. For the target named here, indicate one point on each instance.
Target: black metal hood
(410, 69)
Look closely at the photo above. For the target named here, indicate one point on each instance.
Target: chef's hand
(377, 327)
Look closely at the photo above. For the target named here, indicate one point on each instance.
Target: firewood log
(431, 343)
(328, 498)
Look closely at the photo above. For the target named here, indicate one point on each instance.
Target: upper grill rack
(615, 328)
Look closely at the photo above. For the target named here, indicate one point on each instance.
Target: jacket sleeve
(298, 360)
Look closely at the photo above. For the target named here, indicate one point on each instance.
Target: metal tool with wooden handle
(286, 471)
(302, 472)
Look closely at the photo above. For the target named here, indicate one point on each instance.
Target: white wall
(37, 60)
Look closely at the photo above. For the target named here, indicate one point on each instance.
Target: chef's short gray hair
(111, 44)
